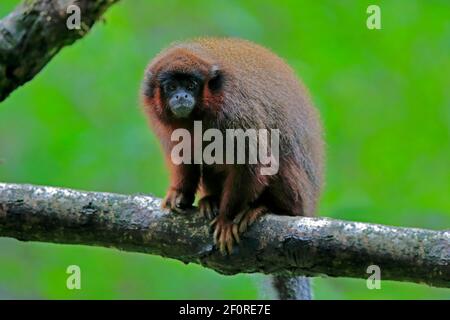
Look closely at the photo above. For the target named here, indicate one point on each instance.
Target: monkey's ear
(148, 87)
(215, 82)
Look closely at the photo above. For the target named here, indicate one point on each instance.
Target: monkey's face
(181, 93)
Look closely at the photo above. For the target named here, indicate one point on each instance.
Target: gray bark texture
(291, 288)
(278, 245)
(35, 31)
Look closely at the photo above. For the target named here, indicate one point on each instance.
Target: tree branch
(32, 34)
(275, 244)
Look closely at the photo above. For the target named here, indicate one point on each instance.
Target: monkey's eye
(192, 85)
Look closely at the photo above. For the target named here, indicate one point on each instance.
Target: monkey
(234, 83)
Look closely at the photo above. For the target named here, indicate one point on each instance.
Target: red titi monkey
(235, 84)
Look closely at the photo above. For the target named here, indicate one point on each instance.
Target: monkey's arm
(184, 179)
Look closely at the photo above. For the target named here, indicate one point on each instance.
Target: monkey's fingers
(239, 217)
(229, 239)
(255, 214)
(226, 240)
(208, 207)
(218, 226)
(176, 201)
(250, 217)
(223, 242)
(235, 231)
(213, 222)
(204, 209)
(216, 234)
(225, 234)
(243, 224)
(167, 201)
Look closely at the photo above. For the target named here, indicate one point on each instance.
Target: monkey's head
(181, 85)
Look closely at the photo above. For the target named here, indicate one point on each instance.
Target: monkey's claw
(177, 201)
(247, 218)
(225, 234)
(209, 207)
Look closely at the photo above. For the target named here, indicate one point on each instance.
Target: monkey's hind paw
(177, 201)
(247, 218)
(225, 234)
(209, 206)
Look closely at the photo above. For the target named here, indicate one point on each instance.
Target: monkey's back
(259, 75)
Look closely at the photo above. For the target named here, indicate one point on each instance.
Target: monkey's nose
(179, 97)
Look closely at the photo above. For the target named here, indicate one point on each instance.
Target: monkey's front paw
(209, 206)
(177, 201)
(246, 218)
(225, 234)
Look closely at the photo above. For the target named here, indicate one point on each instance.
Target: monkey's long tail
(291, 288)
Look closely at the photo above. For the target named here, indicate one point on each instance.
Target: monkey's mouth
(182, 110)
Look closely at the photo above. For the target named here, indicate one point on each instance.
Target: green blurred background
(384, 96)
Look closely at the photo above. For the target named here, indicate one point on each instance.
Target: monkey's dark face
(181, 92)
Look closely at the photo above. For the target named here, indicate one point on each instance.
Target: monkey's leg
(183, 186)
(210, 190)
(241, 188)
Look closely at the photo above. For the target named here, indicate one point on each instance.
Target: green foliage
(383, 94)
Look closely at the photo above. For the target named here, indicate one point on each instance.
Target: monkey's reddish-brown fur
(259, 90)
